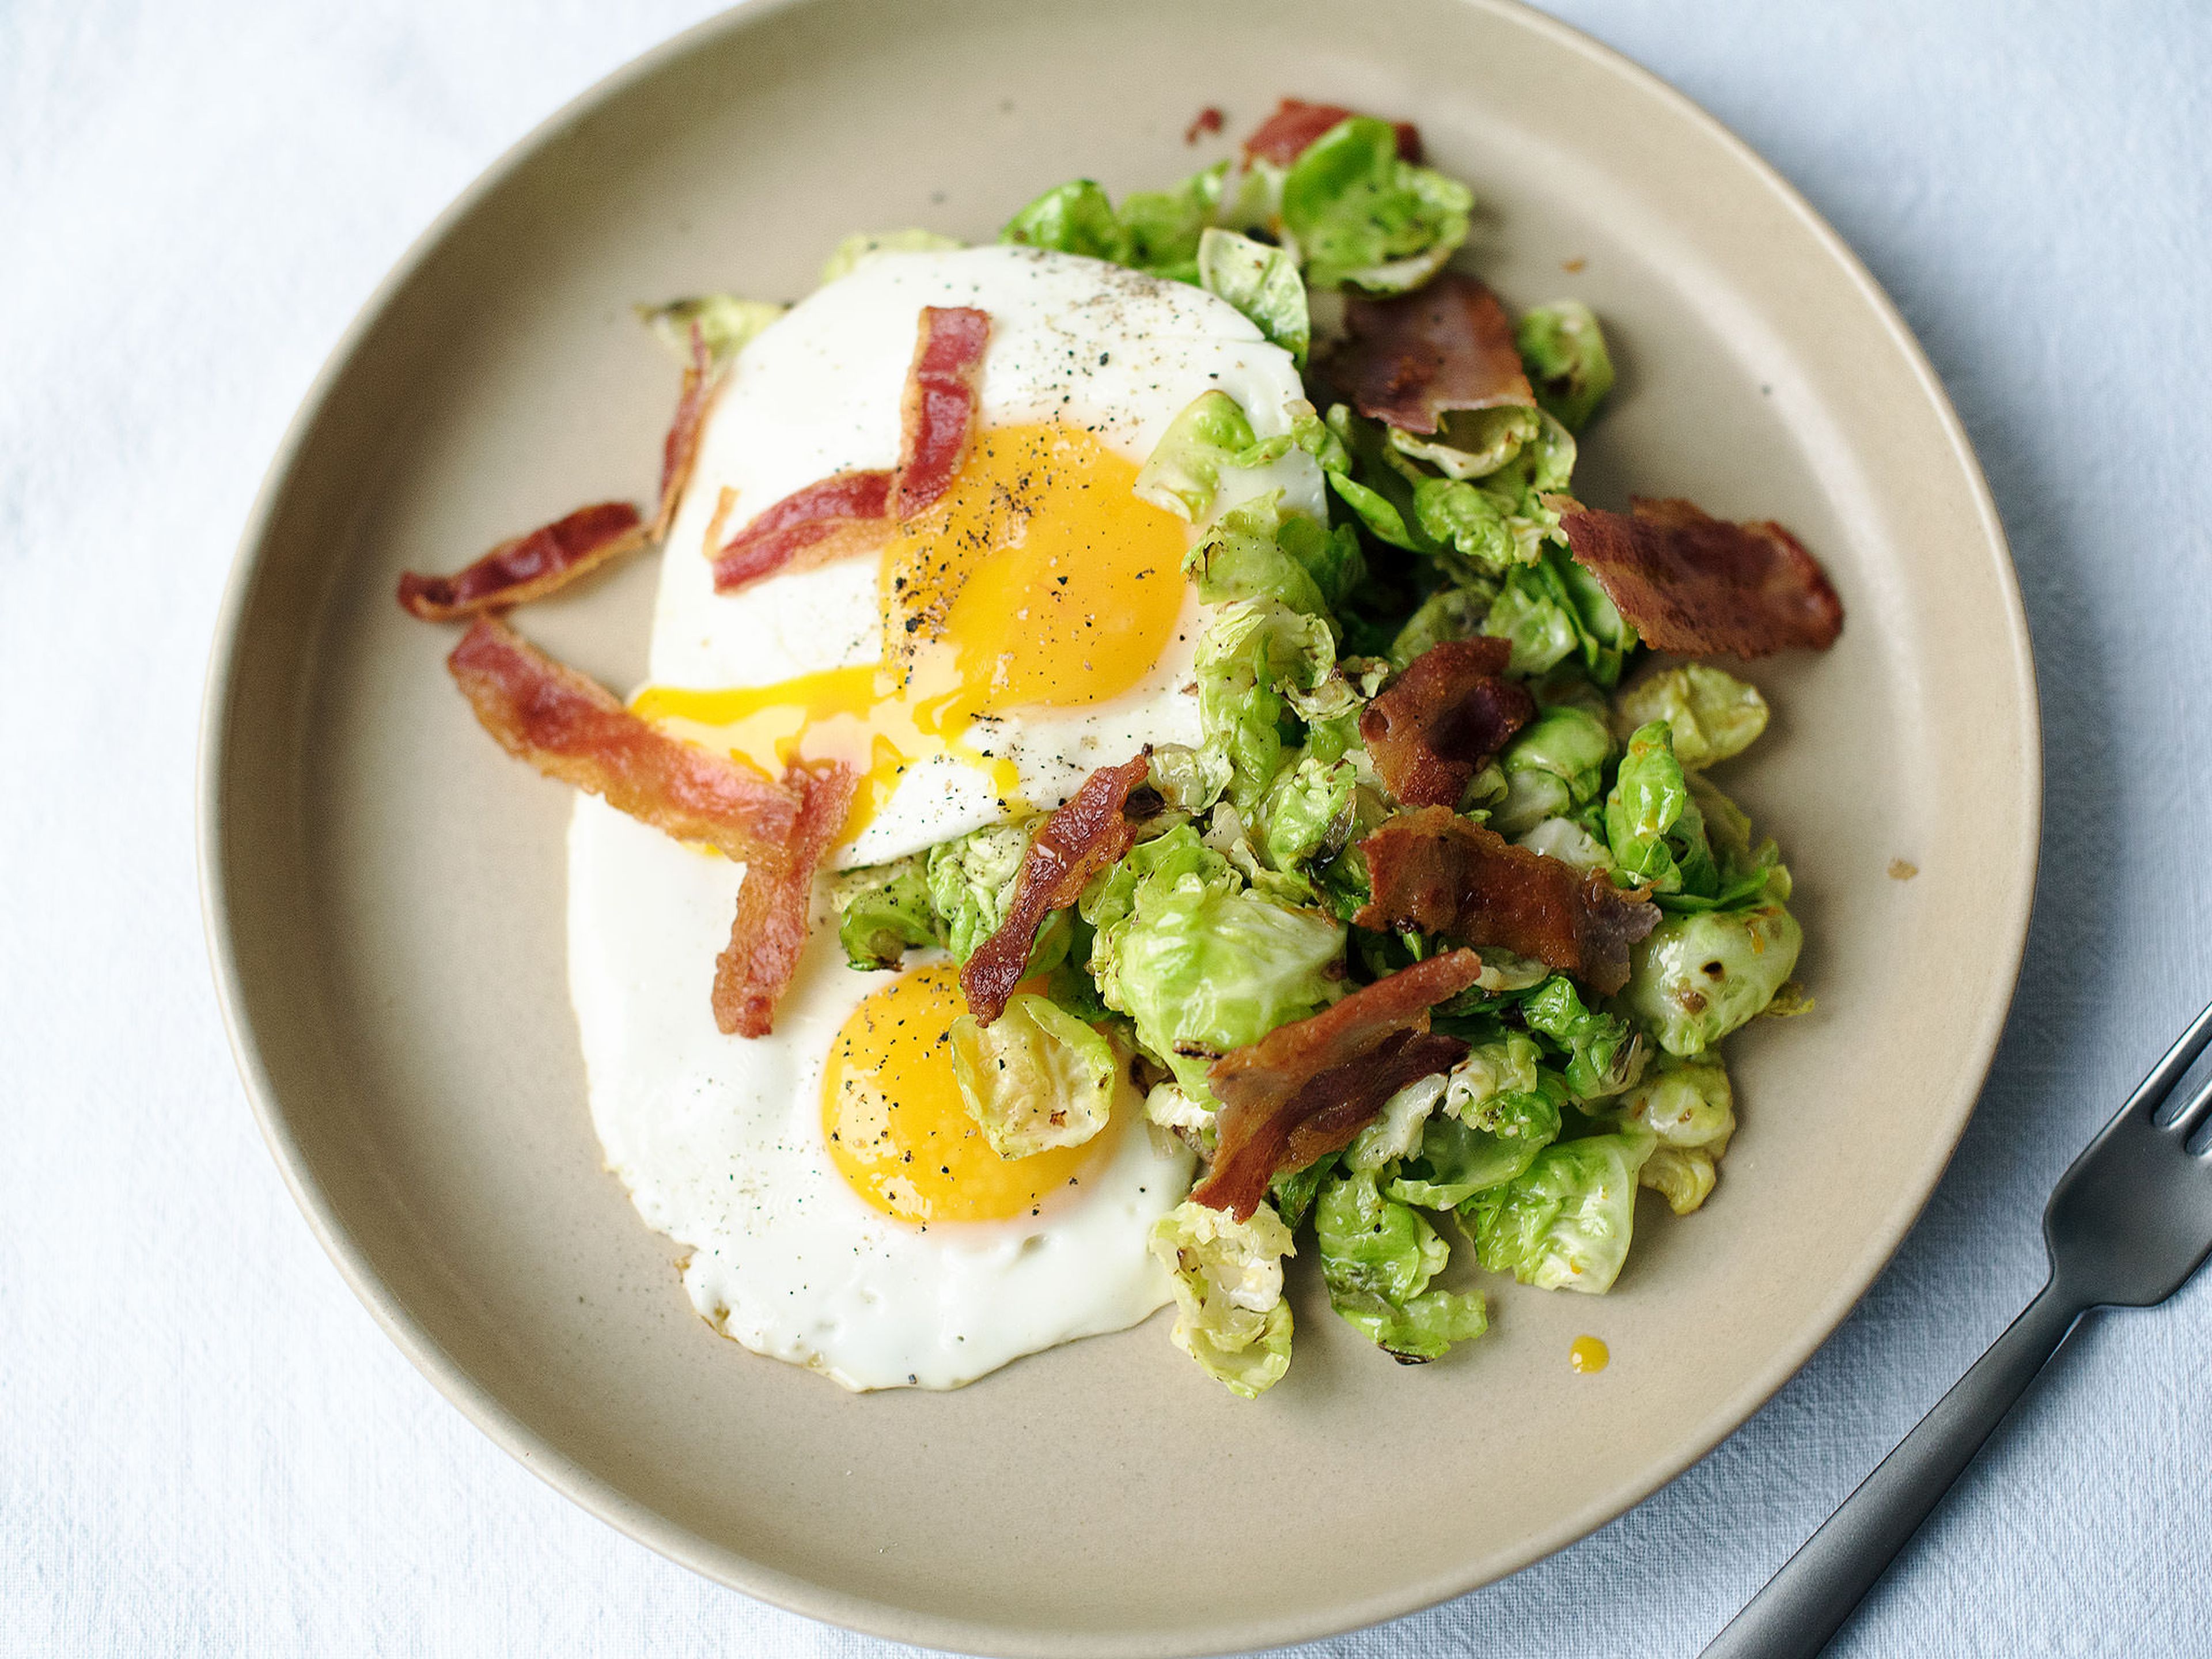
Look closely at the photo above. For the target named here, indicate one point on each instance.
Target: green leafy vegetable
(1652, 824)
(1358, 214)
(1199, 963)
(884, 911)
(1378, 1257)
(1308, 812)
(971, 880)
(1467, 519)
(1255, 550)
(1689, 1106)
(1551, 610)
(1485, 1136)
(1604, 1054)
(1699, 976)
(1253, 654)
(853, 249)
(1711, 714)
(1449, 613)
(725, 323)
(1075, 217)
(1396, 1131)
(1565, 840)
(1564, 1225)
(1259, 280)
(1563, 350)
(1471, 443)
(1292, 1193)
(1183, 472)
(1162, 229)
(1036, 1078)
(1231, 1316)
(1553, 766)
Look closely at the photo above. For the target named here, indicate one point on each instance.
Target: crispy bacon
(528, 566)
(851, 513)
(939, 407)
(1096, 826)
(1207, 120)
(1438, 723)
(1284, 135)
(1304, 1089)
(572, 728)
(770, 930)
(551, 556)
(1411, 359)
(1698, 584)
(840, 514)
(679, 450)
(1442, 873)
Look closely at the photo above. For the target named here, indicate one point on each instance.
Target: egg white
(719, 1139)
(1072, 339)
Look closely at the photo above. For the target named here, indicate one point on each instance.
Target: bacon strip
(679, 450)
(843, 514)
(1284, 135)
(941, 403)
(1410, 359)
(1442, 873)
(529, 567)
(1304, 1089)
(553, 555)
(770, 930)
(1700, 585)
(572, 728)
(850, 512)
(1438, 723)
(1093, 830)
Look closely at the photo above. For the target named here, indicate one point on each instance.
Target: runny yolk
(1038, 580)
(898, 1132)
(1587, 1354)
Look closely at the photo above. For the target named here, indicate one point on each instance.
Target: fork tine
(2152, 1092)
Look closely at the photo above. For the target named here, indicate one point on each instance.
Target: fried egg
(840, 1208)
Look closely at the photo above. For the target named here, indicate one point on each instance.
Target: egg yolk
(1038, 580)
(898, 1130)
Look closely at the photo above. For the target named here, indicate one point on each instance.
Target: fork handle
(1805, 1603)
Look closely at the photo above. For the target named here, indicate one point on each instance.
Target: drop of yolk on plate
(1038, 580)
(1587, 1354)
(898, 1130)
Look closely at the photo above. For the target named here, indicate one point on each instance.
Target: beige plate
(384, 890)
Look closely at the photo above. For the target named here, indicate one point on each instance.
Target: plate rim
(815, 1599)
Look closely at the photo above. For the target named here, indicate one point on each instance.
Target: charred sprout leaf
(1711, 714)
(884, 911)
(1378, 1257)
(853, 249)
(1563, 351)
(1565, 1224)
(725, 323)
(1698, 977)
(1308, 812)
(1036, 1078)
(1231, 1316)
(1262, 282)
(1356, 213)
(1689, 1106)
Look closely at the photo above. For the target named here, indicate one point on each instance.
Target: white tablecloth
(207, 1447)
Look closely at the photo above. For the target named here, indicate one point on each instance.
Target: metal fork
(2127, 1225)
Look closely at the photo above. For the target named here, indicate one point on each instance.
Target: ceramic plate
(385, 889)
